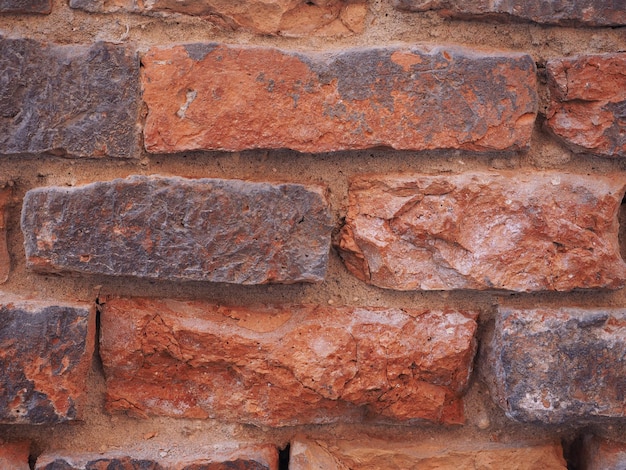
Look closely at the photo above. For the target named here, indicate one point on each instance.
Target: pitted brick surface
(562, 12)
(76, 101)
(45, 354)
(287, 365)
(560, 365)
(180, 229)
(520, 231)
(588, 102)
(210, 96)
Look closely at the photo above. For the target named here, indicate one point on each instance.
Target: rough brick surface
(588, 102)
(25, 6)
(209, 96)
(520, 232)
(603, 454)
(45, 353)
(225, 456)
(180, 229)
(283, 366)
(374, 454)
(564, 12)
(5, 259)
(67, 100)
(14, 455)
(558, 365)
(282, 17)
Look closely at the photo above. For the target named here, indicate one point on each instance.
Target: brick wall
(339, 234)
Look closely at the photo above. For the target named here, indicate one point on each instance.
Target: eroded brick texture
(559, 365)
(14, 455)
(45, 354)
(588, 102)
(287, 365)
(5, 259)
(80, 101)
(180, 229)
(26, 6)
(520, 232)
(210, 96)
(562, 12)
(374, 454)
(225, 456)
(281, 17)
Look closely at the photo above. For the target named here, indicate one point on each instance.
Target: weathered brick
(26, 6)
(588, 102)
(281, 17)
(559, 365)
(80, 101)
(563, 12)
(520, 232)
(180, 229)
(225, 456)
(14, 455)
(45, 354)
(285, 365)
(210, 96)
(5, 259)
(603, 454)
(448, 454)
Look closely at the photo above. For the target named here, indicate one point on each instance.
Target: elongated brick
(79, 101)
(564, 12)
(375, 454)
(180, 229)
(588, 102)
(280, 17)
(211, 96)
(288, 365)
(45, 353)
(25, 6)
(519, 232)
(560, 365)
(223, 456)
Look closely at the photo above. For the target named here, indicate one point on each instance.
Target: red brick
(603, 454)
(26, 6)
(68, 100)
(588, 102)
(5, 259)
(14, 455)
(225, 456)
(450, 454)
(45, 353)
(559, 365)
(180, 229)
(281, 17)
(521, 232)
(567, 12)
(218, 97)
(285, 365)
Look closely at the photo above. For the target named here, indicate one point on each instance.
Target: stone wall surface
(327, 234)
